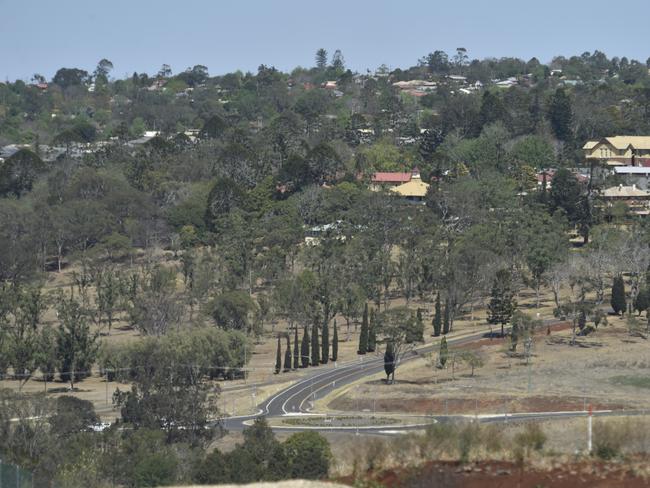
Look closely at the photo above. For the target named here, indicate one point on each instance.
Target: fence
(12, 476)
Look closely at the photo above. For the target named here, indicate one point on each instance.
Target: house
(619, 150)
(330, 85)
(549, 174)
(634, 175)
(636, 199)
(414, 191)
(384, 180)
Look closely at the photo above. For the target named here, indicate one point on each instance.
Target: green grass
(636, 381)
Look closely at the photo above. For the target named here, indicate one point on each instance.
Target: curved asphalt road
(298, 398)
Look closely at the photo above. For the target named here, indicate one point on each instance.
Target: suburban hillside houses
(619, 151)
(635, 199)
(414, 191)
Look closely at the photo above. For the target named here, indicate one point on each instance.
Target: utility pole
(589, 431)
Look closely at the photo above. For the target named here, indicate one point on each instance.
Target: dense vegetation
(240, 167)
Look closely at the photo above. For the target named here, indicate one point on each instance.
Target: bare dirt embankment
(501, 474)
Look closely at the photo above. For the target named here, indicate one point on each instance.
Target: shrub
(309, 455)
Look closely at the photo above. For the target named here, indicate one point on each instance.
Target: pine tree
(296, 352)
(278, 358)
(363, 335)
(437, 318)
(389, 361)
(304, 349)
(315, 349)
(444, 352)
(502, 301)
(561, 115)
(446, 319)
(335, 343)
(618, 302)
(325, 354)
(372, 331)
(321, 59)
(287, 356)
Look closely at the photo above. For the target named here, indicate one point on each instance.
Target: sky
(41, 36)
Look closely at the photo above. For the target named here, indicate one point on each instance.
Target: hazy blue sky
(40, 36)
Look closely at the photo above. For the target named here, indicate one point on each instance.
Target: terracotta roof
(388, 177)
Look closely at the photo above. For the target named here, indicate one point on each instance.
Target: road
(298, 397)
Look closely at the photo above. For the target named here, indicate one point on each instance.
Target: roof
(621, 191)
(629, 170)
(621, 142)
(414, 188)
(388, 177)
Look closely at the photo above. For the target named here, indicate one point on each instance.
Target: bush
(156, 469)
(309, 455)
(531, 439)
(608, 439)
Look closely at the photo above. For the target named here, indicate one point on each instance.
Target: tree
(321, 59)
(296, 351)
(335, 343)
(642, 300)
(618, 301)
(446, 318)
(444, 352)
(233, 310)
(304, 349)
(287, 356)
(363, 335)
(389, 362)
(338, 62)
(472, 359)
(278, 358)
(397, 326)
(325, 354)
(502, 299)
(372, 331)
(104, 67)
(560, 115)
(66, 77)
(315, 349)
(437, 317)
(19, 172)
(77, 345)
(108, 296)
(309, 455)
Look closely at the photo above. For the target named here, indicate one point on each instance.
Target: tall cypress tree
(315, 349)
(304, 349)
(296, 352)
(325, 354)
(335, 343)
(278, 358)
(287, 356)
(363, 335)
(372, 331)
(445, 319)
(419, 324)
(437, 318)
(389, 361)
(618, 301)
(444, 352)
